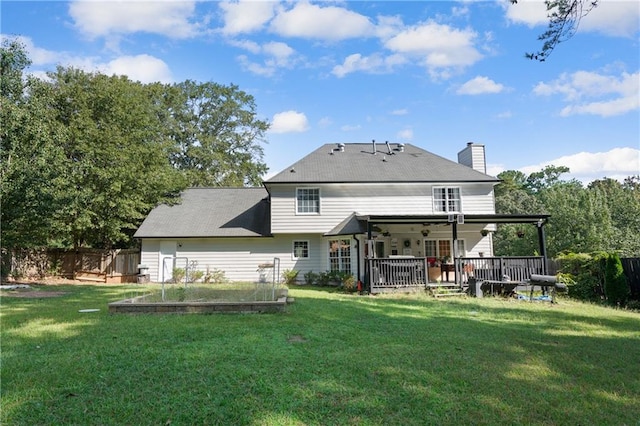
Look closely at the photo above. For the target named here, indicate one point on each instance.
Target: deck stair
(439, 290)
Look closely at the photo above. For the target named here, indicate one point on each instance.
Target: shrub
(289, 276)
(215, 276)
(582, 274)
(195, 275)
(178, 274)
(349, 282)
(616, 288)
(311, 278)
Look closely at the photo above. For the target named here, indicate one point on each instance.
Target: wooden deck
(411, 274)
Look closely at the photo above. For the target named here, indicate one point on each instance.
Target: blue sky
(436, 74)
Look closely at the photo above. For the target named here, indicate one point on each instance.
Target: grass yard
(331, 359)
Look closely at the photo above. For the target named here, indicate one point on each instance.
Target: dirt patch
(31, 294)
(296, 338)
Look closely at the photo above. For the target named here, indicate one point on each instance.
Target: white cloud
(527, 12)
(374, 64)
(289, 122)
(350, 127)
(617, 163)
(611, 17)
(277, 55)
(595, 94)
(143, 68)
(480, 85)
(107, 18)
(246, 16)
(406, 134)
(438, 47)
(325, 122)
(329, 23)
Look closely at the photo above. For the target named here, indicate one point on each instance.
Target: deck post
(543, 245)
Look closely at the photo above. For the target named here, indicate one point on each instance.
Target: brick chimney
(473, 156)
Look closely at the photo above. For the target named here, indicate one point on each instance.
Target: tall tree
(117, 165)
(217, 135)
(29, 157)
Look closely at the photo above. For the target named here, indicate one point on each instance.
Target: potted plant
(484, 232)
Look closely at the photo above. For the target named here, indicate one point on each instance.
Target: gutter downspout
(355, 237)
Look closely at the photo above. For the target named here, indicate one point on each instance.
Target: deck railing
(388, 274)
(508, 268)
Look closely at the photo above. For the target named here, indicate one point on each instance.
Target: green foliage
(195, 275)
(289, 276)
(214, 276)
(311, 278)
(616, 288)
(178, 275)
(604, 216)
(595, 277)
(86, 156)
(216, 134)
(349, 282)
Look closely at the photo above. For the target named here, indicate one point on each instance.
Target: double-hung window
(300, 250)
(447, 200)
(308, 200)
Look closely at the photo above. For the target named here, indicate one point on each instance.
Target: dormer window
(308, 200)
(447, 200)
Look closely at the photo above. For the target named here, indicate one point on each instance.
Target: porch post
(454, 229)
(542, 242)
(367, 273)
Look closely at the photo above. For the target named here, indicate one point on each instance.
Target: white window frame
(340, 257)
(447, 199)
(307, 188)
(462, 247)
(293, 250)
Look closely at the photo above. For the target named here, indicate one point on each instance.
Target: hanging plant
(484, 232)
(425, 232)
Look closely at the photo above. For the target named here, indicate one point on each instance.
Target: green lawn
(332, 359)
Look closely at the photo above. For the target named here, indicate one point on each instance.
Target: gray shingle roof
(358, 164)
(210, 212)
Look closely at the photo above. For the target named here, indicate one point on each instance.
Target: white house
(342, 207)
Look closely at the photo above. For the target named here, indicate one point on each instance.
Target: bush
(311, 278)
(582, 274)
(289, 276)
(616, 288)
(195, 275)
(215, 276)
(178, 274)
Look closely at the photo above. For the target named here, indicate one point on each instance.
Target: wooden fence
(631, 267)
(112, 266)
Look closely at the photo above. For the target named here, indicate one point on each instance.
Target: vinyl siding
(337, 201)
(239, 257)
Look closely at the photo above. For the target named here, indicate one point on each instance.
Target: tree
(564, 19)
(29, 157)
(216, 135)
(117, 165)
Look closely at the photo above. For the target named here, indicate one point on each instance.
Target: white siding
(473, 156)
(239, 257)
(337, 201)
(150, 257)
